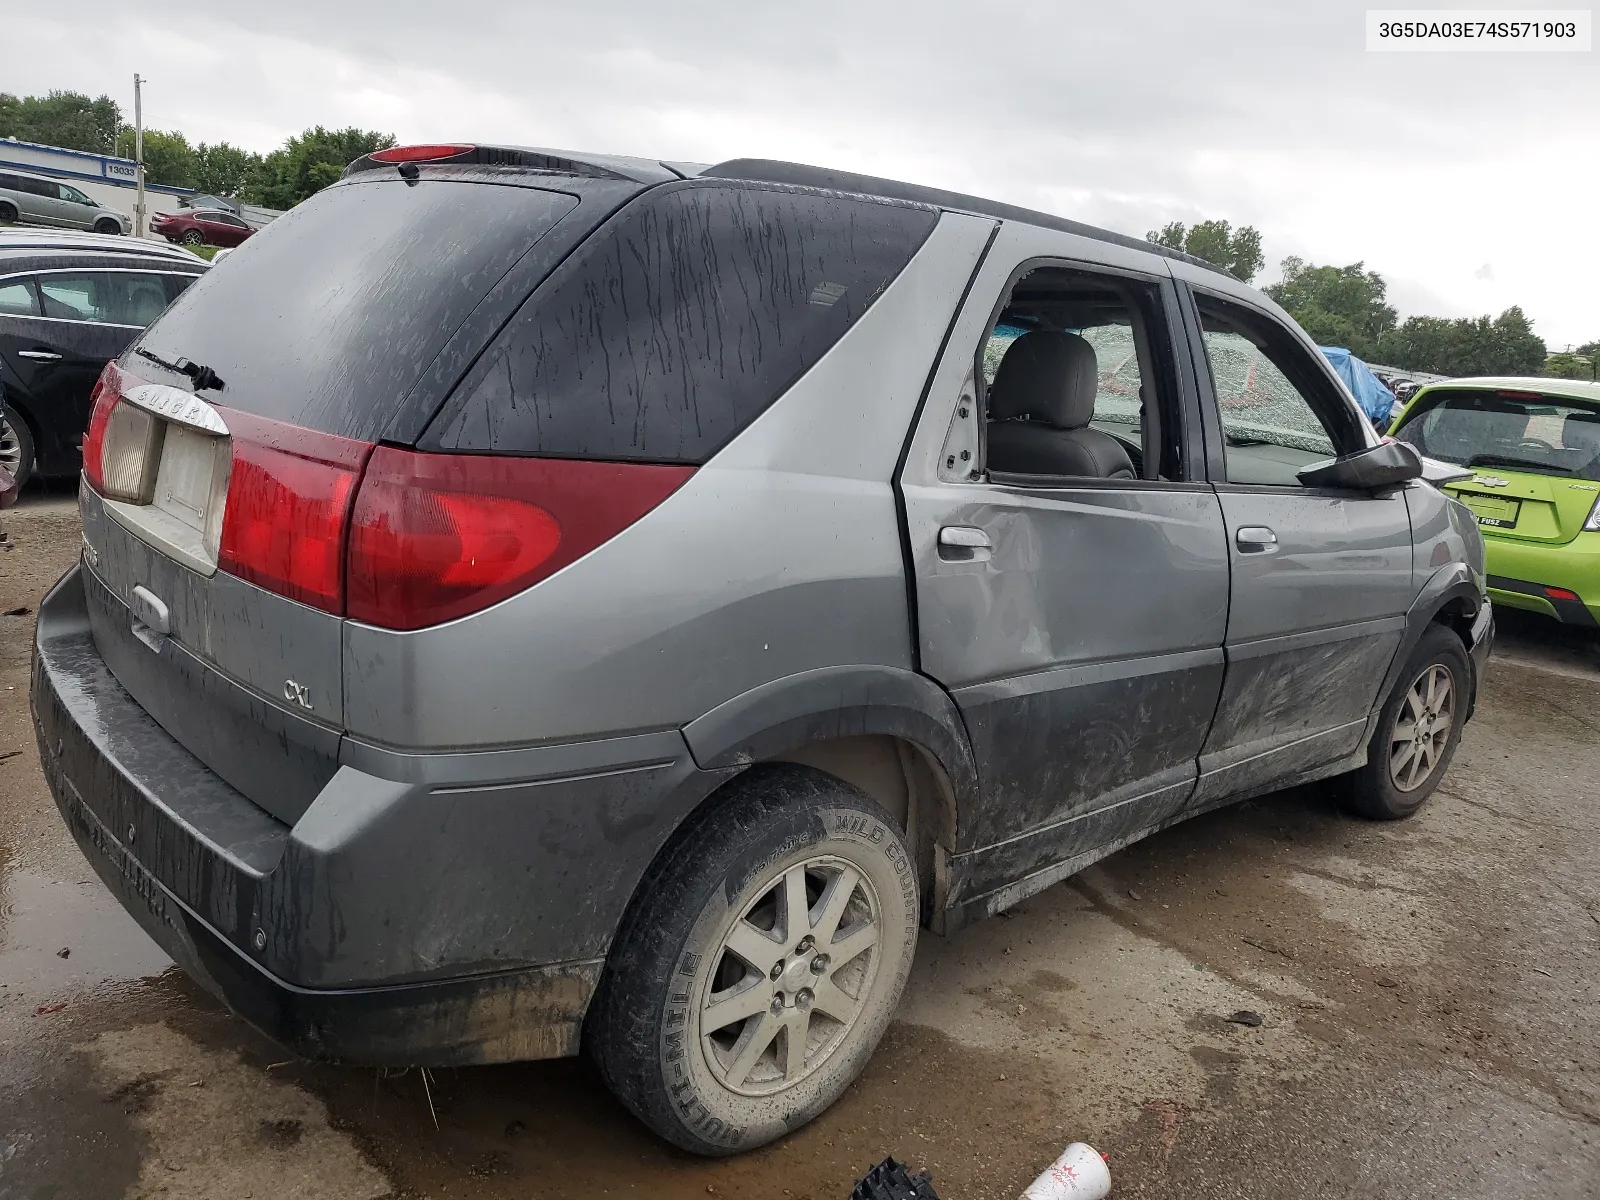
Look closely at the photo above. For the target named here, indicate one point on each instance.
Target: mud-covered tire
(726, 881)
(16, 445)
(1393, 785)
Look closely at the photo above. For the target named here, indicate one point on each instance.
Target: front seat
(1040, 406)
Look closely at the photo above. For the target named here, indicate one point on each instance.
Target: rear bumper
(1520, 573)
(441, 916)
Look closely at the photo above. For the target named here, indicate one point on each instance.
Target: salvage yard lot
(1428, 994)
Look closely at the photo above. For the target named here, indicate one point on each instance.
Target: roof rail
(768, 170)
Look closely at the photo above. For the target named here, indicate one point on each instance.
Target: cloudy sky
(1470, 181)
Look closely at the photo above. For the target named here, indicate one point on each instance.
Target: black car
(69, 303)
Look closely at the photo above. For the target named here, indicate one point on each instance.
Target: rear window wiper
(205, 379)
(1515, 464)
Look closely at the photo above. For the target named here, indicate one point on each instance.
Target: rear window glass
(1546, 435)
(329, 315)
(680, 322)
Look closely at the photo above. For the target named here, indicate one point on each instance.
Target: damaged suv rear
(533, 602)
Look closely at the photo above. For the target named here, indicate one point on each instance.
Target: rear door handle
(1255, 539)
(40, 355)
(964, 543)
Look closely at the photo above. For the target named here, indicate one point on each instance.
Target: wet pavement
(1429, 995)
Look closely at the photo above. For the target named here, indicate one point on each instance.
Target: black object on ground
(1245, 1017)
(890, 1180)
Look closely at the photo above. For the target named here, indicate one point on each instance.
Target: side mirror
(1386, 465)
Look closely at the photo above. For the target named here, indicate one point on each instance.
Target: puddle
(41, 916)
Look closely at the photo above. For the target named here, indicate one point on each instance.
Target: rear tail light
(107, 391)
(123, 444)
(437, 536)
(1559, 593)
(288, 508)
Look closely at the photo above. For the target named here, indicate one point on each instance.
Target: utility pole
(138, 158)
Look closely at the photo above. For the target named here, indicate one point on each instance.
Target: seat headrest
(1581, 431)
(1047, 376)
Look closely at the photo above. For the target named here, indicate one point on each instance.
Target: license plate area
(1497, 512)
(183, 516)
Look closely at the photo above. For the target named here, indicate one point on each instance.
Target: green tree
(1337, 306)
(1569, 366)
(224, 170)
(310, 162)
(168, 157)
(67, 119)
(1503, 345)
(1237, 251)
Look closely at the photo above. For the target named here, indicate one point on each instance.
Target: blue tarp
(1375, 399)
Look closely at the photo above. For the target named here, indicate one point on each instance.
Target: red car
(201, 227)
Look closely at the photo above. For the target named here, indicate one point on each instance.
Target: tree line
(1347, 306)
(304, 165)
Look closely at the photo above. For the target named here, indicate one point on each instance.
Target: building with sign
(110, 180)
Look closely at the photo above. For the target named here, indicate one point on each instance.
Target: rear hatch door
(1528, 507)
(241, 423)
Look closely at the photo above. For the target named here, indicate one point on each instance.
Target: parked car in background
(201, 227)
(622, 626)
(69, 303)
(29, 199)
(1533, 448)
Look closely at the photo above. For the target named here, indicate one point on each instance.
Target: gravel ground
(1429, 995)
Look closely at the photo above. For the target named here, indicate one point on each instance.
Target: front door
(1322, 578)
(1071, 569)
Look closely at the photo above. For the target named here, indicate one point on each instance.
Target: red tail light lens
(288, 508)
(438, 536)
(1560, 593)
(107, 391)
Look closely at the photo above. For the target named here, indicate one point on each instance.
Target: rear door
(1078, 621)
(1322, 578)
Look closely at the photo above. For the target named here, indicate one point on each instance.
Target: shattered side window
(680, 322)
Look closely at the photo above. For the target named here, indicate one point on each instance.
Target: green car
(1533, 446)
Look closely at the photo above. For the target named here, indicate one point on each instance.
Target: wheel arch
(894, 734)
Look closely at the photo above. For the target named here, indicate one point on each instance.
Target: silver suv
(31, 199)
(535, 603)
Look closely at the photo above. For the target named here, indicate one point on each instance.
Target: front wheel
(112, 227)
(1417, 732)
(760, 963)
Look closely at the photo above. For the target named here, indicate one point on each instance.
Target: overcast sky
(1470, 181)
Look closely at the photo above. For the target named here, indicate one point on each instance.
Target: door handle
(1255, 539)
(964, 543)
(40, 355)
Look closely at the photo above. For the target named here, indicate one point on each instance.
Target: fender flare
(838, 702)
(1451, 582)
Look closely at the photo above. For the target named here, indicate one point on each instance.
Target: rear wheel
(16, 445)
(194, 237)
(760, 964)
(8, 211)
(1417, 732)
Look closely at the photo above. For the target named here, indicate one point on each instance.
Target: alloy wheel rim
(10, 448)
(791, 976)
(1422, 728)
